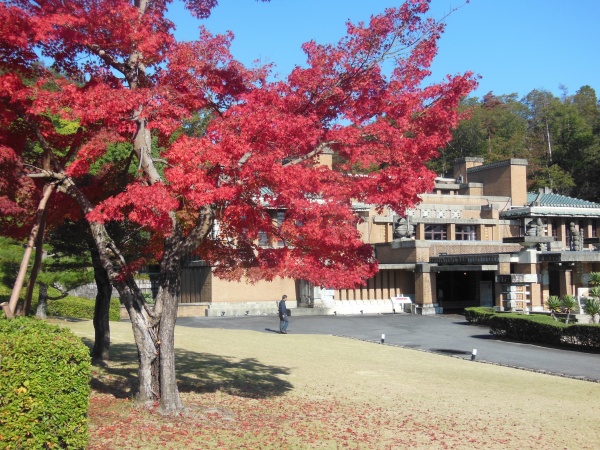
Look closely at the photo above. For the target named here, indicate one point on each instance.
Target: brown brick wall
(384, 285)
(506, 178)
(236, 292)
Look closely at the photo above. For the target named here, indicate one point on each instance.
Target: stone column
(425, 288)
(420, 231)
(451, 231)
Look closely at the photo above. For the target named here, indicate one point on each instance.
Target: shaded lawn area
(253, 390)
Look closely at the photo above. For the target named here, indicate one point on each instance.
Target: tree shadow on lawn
(196, 373)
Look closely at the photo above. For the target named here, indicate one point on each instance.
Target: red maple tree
(118, 74)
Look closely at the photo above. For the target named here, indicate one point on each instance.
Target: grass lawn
(245, 389)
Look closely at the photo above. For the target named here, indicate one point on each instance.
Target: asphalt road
(444, 334)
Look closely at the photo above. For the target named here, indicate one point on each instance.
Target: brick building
(477, 239)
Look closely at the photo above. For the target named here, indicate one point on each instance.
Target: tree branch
(63, 291)
(320, 148)
(203, 226)
(109, 60)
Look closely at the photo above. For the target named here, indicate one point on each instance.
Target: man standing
(283, 316)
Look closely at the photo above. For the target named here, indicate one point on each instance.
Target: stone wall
(148, 286)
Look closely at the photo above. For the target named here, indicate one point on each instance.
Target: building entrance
(459, 290)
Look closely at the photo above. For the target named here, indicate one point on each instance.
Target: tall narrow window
(280, 217)
(465, 233)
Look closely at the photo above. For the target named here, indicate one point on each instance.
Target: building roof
(547, 204)
(556, 200)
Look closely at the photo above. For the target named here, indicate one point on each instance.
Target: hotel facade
(478, 239)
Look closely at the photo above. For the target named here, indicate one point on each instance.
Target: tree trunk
(101, 310)
(549, 143)
(143, 320)
(167, 299)
(145, 333)
(153, 328)
(42, 306)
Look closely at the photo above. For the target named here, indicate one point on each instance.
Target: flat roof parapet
(494, 165)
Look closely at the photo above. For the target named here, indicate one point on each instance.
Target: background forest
(560, 137)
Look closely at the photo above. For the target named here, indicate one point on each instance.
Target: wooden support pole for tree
(9, 309)
(37, 262)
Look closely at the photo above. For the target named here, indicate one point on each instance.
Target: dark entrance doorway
(459, 290)
(554, 275)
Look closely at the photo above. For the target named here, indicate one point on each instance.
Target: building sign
(465, 260)
(549, 257)
(515, 278)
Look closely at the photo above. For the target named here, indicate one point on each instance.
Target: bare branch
(110, 60)
(244, 159)
(60, 288)
(318, 150)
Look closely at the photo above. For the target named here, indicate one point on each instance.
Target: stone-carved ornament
(576, 238)
(536, 228)
(403, 229)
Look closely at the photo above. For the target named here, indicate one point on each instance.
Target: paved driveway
(444, 334)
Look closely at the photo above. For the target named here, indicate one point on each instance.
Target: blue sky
(515, 45)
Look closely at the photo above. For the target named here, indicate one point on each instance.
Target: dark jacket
(282, 308)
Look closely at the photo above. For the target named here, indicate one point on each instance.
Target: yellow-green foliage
(44, 387)
(81, 308)
(479, 314)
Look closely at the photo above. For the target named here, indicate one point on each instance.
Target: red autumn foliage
(119, 75)
(340, 97)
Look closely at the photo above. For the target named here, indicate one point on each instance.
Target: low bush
(539, 328)
(81, 308)
(587, 335)
(45, 386)
(528, 328)
(479, 315)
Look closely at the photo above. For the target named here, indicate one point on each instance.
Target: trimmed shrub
(45, 386)
(479, 314)
(527, 328)
(81, 308)
(591, 305)
(587, 335)
(554, 305)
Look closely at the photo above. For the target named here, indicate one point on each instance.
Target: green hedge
(479, 315)
(587, 335)
(528, 328)
(535, 328)
(44, 386)
(81, 308)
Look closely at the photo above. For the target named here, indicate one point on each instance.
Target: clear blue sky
(515, 45)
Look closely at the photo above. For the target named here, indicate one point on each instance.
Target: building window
(216, 230)
(435, 232)
(263, 239)
(465, 233)
(280, 217)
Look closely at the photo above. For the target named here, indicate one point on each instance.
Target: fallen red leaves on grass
(220, 420)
